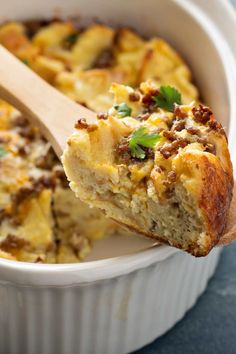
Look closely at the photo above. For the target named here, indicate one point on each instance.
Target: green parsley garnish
(25, 61)
(167, 97)
(123, 109)
(3, 152)
(141, 138)
(71, 39)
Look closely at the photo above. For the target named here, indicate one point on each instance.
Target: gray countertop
(210, 327)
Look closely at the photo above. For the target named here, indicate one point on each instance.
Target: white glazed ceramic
(119, 304)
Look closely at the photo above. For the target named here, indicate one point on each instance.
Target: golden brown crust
(212, 188)
(216, 195)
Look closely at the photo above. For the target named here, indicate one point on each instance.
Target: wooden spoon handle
(54, 113)
(230, 231)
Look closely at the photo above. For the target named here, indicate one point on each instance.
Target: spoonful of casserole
(152, 164)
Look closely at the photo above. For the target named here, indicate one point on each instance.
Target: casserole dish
(120, 303)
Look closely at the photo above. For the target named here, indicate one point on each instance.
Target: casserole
(118, 305)
(41, 220)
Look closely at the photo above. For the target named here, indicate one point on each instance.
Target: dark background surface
(210, 327)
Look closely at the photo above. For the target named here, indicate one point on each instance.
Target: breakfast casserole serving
(161, 168)
(41, 219)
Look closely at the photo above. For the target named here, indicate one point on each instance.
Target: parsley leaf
(139, 138)
(3, 152)
(123, 109)
(25, 61)
(71, 38)
(167, 97)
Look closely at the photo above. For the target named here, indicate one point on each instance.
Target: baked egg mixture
(41, 220)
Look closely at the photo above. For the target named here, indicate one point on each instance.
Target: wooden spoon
(55, 114)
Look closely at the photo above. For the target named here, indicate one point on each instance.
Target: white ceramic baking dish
(119, 304)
